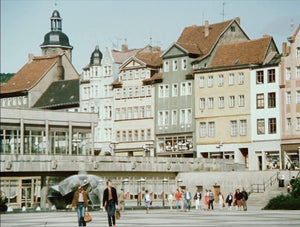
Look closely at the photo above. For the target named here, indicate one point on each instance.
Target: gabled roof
(28, 76)
(196, 35)
(154, 78)
(60, 94)
(292, 39)
(241, 53)
(151, 59)
(120, 57)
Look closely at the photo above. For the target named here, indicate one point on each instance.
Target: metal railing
(261, 188)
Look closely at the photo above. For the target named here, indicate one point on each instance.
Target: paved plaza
(158, 217)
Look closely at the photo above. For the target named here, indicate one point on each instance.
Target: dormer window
(232, 28)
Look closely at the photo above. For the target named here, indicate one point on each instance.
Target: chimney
(156, 48)
(288, 50)
(266, 36)
(206, 29)
(284, 49)
(238, 20)
(30, 57)
(124, 48)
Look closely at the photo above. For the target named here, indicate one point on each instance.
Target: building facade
(290, 100)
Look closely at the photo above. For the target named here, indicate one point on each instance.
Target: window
(175, 65)
(202, 103)
(183, 89)
(241, 100)
(166, 66)
(118, 93)
(123, 113)
(189, 88)
(136, 92)
(298, 52)
(148, 111)
(160, 118)
(201, 81)
(123, 136)
(288, 97)
(129, 113)
(130, 75)
(231, 101)
(288, 73)
(166, 118)
(142, 91)
(298, 97)
(163, 91)
(260, 100)
(174, 117)
(202, 129)
(271, 76)
(142, 112)
(232, 28)
(241, 78)
(243, 127)
(220, 80)
(135, 113)
(211, 129)
(298, 73)
(231, 79)
(124, 93)
(117, 114)
(149, 90)
(260, 126)
(288, 124)
(259, 77)
(129, 135)
(210, 103)
(298, 123)
(221, 102)
(148, 134)
(130, 93)
(163, 118)
(272, 125)
(143, 73)
(137, 75)
(182, 116)
(136, 135)
(166, 92)
(183, 64)
(142, 134)
(118, 136)
(174, 89)
(271, 100)
(233, 128)
(210, 81)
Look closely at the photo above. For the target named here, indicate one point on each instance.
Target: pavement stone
(159, 217)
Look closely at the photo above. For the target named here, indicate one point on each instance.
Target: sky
(137, 23)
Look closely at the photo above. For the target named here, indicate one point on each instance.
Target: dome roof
(96, 57)
(55, 14)
(56, 38)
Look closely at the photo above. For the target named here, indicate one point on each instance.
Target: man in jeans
(211, 197)
(188, 197)
(244, 199)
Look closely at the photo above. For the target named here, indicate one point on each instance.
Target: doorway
(259, 162)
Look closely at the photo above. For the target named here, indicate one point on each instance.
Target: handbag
(118, 214)
(87, 217)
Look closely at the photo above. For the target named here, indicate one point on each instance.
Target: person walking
(177, 198)
(239, 197)
(211, 197)
(229, 200)
(197, 198)
(170, 200)
(121, 198)
(221, 201)
(244, 198)
(187, 197)
(147, 200)
(182, 201)
(80, 200)
(109, 202)
(206, 199)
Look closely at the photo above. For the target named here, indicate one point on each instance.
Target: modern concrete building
(134, 98)
(174, 101)
(290, 100)
(235, 104)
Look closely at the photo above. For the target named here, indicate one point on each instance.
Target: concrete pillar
(44, 192)
(22, 135)
(47, 136)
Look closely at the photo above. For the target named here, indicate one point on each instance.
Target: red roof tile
(151, 59)
(29, 74)
(240, 53)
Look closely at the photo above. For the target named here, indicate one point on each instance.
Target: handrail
(258, 188)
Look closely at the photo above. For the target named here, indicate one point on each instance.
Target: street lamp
(165, 180)
(139, 201)
(112, 145)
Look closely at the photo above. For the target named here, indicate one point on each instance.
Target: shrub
(283, 202)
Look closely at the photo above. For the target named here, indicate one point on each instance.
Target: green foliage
(283, 202)
(4, 77)
(296, 188)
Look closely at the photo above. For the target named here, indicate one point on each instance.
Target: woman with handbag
(109, 202)
(80, 200)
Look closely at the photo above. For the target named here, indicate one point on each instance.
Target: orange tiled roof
(195, 35)
(151, 59)
(29, 74)
(120, 56)
(240, 53)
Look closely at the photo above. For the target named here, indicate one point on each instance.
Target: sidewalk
(158, 217)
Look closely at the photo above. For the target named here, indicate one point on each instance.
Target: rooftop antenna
(292, 26)
(150, 41)
(223, 10)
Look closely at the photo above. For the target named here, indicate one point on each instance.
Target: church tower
(55, 41)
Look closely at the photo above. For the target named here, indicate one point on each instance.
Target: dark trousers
(211, 204)
(111, 210)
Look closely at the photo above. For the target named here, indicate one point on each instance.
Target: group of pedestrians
(237, 200)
